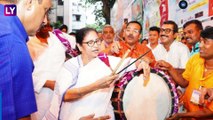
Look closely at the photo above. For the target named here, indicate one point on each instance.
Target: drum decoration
(127, 107)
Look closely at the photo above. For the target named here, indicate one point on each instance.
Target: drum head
(150, 102)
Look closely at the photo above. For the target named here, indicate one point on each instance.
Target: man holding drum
(198, 74)
(173, 52)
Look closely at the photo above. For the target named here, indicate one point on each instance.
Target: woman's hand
(106, 81)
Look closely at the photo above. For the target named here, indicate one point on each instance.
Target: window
(61, 19)
(60, 2)
(76, 17)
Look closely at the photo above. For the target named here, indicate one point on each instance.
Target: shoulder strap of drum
(104, 58)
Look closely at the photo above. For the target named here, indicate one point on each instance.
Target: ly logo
(10, 10)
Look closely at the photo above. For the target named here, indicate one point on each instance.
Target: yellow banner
(195, 6)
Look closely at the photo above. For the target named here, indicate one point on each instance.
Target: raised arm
(77, 93)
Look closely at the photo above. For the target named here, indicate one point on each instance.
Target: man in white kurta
(157, 51)
(173, 52)
(48, 59)
(177, 55)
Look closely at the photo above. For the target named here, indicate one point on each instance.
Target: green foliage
(56, 25)
(99, 17)
(95, 26)
(92, 1)
(98, 11)
(102, 10)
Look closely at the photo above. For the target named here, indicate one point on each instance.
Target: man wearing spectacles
(191, 31)
(174, 52)
(132, 35)
(197, 77)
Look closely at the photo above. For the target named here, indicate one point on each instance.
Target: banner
(163, 11)
(137, 8)
(155, 12)
(197, 9)
(210, 7)
(151, 15)
(127, 13)
(116, 15)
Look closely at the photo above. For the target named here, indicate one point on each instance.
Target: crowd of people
(47, 74)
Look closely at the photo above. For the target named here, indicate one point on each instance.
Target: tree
(104, 12)
(56, 25)
(95, 26)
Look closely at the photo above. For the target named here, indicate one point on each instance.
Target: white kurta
(156, 51)
(97, 102)
(48, 61)
(177, 55)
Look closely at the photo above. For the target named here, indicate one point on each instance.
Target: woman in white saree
(85, 83)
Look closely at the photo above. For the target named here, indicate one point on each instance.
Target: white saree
(97, 102)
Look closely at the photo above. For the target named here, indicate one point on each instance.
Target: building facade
(69, 12)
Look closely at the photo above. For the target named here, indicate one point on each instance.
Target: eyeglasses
(91, 43)
(167, 30)
(133, 31)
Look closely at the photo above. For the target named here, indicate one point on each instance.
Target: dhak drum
(134, 101)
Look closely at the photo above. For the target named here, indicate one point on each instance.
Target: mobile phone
(125, 20)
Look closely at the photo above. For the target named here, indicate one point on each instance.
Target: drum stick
(121, 61)
(134, 61)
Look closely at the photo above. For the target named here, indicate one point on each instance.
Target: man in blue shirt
(18, 99)
(192, 30)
